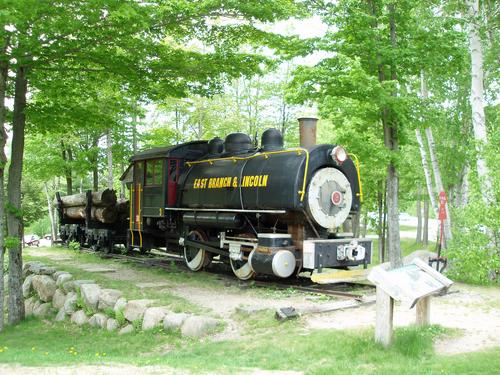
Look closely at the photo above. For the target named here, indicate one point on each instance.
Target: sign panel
(409, 283)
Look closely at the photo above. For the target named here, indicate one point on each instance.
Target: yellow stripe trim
(140, 222)
(131, 221)
(356, 163)
(297, 150)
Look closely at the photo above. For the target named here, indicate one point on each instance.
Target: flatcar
(263, 210)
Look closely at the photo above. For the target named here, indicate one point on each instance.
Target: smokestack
(307, 128)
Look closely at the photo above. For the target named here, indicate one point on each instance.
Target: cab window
(154, 172)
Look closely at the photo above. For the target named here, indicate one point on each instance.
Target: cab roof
(189, 151)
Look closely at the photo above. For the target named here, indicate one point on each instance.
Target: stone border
(49, 292)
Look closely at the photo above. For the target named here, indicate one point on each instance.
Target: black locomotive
(266, 210)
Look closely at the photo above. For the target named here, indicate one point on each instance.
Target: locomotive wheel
(196, 258)
(241, 268)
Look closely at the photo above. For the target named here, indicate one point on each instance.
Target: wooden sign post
(413, 284)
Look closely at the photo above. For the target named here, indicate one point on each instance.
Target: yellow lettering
(235, 182)
(264, 180)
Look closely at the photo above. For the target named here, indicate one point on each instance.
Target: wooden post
(424, 311)
(385, 313)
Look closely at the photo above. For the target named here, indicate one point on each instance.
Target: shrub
(73, 245)
(473, 253)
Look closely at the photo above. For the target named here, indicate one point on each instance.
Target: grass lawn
(271, 346)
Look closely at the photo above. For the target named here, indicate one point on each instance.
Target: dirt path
(474, 311)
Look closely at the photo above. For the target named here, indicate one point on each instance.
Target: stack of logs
(106, 208)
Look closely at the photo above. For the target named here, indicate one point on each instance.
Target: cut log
(105, 197)
(103, 214)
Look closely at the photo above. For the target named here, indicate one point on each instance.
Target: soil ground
(474, 312)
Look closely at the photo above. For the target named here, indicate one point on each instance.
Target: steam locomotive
(263, 210)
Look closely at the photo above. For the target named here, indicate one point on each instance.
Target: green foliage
(73, 245)
(474, 253)
(120, 317)
(137, 324)
(110, 312)
(11, 242)
(40, 227)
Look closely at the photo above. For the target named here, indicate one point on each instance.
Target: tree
(130, 41)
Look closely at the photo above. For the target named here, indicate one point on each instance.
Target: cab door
(136, 204)
(172, 176)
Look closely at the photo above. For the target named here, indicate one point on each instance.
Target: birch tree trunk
(477, 98)
(109, 144)
(438, 181)
(3, 161)
(425, 232)
(51, 216)
(419, 214)
(14, 215)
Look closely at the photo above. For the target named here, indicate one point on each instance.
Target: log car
(266, 210)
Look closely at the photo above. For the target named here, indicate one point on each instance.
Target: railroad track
(219, 269)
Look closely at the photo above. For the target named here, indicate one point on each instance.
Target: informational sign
(442, 206)
(410, 283)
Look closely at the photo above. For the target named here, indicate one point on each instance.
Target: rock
(27, 267)
(44, 286)
(27, 283)
(120, 304)
(56, 274)
(61, 315)
(153, 317)
(98, 320)
(74, 285)
(90, 295)
(70, 303)
(197, 326)
(129, 328)
(108, 298)
(29, 303)
(134, 310)
(45, 270)
(36, 304)
(174, 321)
(112, 324)
(58, 299)
(62, 278)
(79, 318)
(43, 310)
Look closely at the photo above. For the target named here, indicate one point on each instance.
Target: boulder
(174, 321)
(90, 295)
(58, 299)
(112, 324)
(45, 270)
(120, 304)
(129, 328)
(153, 317)
(61, 315)
(108, 298)
(197, 326)
(45, 287)
(27, 283)
(74, 285)
(134, 310)
(62, 278)
(27, 270)
(43, 310)
(79, 318)
(29, 303)
(98, 320)
(36, 303)
(56, 274)
(70, 303)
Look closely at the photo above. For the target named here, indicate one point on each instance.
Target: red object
(442, 198)
(442, 212)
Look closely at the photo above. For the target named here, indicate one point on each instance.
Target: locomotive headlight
(339, 155)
